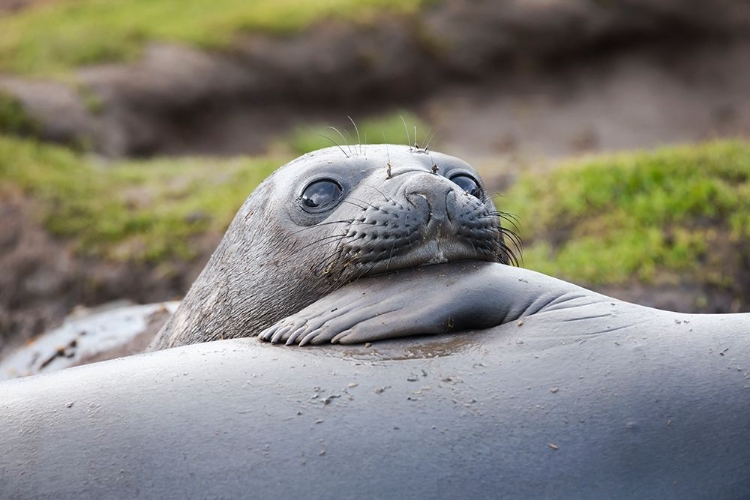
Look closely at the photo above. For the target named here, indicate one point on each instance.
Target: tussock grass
(665, 215)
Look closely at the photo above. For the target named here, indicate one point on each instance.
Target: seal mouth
(430, 253)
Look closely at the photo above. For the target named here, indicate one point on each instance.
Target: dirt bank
(43, 279)
(539, 66)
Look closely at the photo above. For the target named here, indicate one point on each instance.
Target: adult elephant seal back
(575, 395)
(331, 217)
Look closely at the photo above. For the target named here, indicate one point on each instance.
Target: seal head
(329, 218)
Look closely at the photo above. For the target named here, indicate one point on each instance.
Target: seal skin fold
(574, 395)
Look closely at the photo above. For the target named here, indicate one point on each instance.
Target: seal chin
(427, 253)
(439, 258)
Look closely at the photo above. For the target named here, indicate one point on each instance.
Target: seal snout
(428, 194)
(421, 219)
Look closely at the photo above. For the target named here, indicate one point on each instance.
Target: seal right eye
(321, 195)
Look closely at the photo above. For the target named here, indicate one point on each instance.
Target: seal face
(329, 218)
(414, 217)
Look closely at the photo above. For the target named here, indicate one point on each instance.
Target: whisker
(349, 198)
(514, 237)
(509, 218)
(343, 139)
(385, 196)
(369, 204)
(390, 256)
(512, 222)
(406, 129)
(472, 245)
(388, 153)
(359, 139)
(326, 223)
(504, 215)
(329, 262)
(365, 271)
(512, 257)
(334, 143)
(328, 238)
(427, 147)
(350, 141)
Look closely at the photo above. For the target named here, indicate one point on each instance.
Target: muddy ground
(506, 85)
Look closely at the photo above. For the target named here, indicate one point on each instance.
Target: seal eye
(468, 184)
(321, 195)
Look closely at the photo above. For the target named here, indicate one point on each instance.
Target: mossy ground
(57, 36)
(672, 215)
(137, 210)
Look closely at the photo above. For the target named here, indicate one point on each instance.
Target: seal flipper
(378, 317)
(422, 301)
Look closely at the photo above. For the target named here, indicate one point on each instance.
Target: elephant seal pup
(329, 218)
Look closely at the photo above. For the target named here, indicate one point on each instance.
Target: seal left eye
(468, 184)
(321, 195)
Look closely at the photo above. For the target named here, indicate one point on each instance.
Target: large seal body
(331, 217)
(575, 395)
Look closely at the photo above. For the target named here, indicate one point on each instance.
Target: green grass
(388, 129)
(664, 216)
(57, 36)
(670, 215)
(138, 210)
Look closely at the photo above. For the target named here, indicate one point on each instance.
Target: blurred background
(131, 131)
